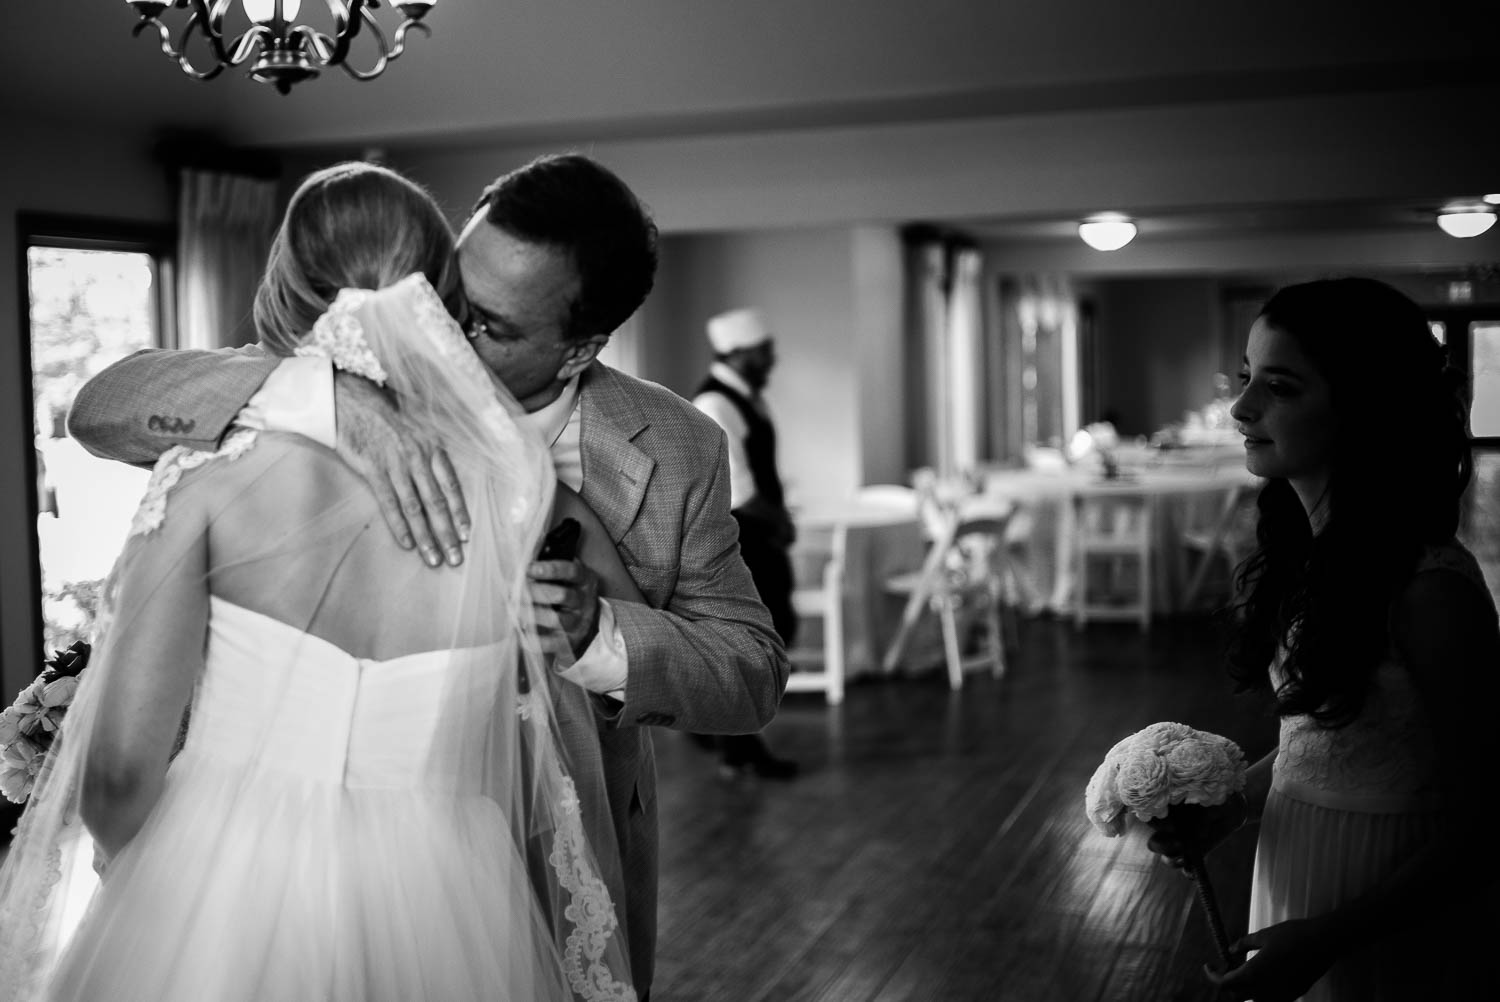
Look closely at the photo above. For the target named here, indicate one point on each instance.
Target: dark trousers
(771, 570)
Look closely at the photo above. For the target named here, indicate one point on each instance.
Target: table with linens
(888, 538)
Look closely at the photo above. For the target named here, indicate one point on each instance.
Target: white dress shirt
(298, 397)
(727, 416)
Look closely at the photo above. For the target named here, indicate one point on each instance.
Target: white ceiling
(528, 70)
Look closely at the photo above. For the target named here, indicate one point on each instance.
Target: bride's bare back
(340, 576)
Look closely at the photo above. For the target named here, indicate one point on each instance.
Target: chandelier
(281, 51)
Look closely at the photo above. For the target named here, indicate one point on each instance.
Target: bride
(302, 765)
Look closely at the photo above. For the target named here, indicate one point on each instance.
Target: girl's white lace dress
(1347, 806)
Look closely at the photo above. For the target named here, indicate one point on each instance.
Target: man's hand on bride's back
(413, 480)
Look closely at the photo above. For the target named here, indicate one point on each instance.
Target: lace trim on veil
(169, 470)
(21, 968)
(589, 910)
(337, 335)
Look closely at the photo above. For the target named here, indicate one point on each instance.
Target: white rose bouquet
(29, 726)
(1168, 769)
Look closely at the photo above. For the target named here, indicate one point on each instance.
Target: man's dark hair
(570, 202)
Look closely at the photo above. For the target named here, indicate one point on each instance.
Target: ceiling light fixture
(1493, 199)
(1464, 223)
(1107, 231)
(285, 52)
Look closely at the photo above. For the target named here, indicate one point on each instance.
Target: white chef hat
(737, 329)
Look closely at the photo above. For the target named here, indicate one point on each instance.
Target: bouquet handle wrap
(1210, 904)
(1189, 817)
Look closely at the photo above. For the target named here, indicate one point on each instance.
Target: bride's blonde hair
(350, 226)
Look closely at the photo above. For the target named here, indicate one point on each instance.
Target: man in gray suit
(558, 254)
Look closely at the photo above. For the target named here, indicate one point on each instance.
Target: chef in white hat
(744, 355)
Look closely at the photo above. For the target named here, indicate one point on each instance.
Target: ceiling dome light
(1493, 199)
(1466, 222)
(1107, 232)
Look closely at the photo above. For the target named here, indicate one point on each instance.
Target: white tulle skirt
(278, 889)
(1312, 857)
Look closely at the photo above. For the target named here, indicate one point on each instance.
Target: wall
(51, 170)
(1322, 149)
(802, 281)
(880, 357)
(1159, 346)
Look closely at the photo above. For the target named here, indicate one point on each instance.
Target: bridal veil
(276, 525)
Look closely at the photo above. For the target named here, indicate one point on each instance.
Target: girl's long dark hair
(1401, 462)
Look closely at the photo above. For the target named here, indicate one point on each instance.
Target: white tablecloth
(1185, 497)
(884, 541)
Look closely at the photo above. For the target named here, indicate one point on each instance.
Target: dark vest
(760, 442)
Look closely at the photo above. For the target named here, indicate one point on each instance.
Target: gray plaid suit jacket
(703, 655)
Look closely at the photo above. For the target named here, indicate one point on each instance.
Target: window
(1472, 336)
(94, 293)
(1484, 375)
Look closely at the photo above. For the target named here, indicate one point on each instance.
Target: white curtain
(225, 224)
(932, 334)
(1044, 320)
(965, 365)
(947, 330)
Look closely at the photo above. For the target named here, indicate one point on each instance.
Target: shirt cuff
(298, 397)
(604, 666)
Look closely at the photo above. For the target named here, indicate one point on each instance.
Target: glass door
(95, 292)
(1472, 336)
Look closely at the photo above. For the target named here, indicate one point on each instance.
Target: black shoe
(770, 767)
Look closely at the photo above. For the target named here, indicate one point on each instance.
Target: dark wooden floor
(936, 847)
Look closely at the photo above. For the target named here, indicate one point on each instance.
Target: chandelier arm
(246, 43)
(166, 35)
(199, 18)
(211, 24)
(380, 41)
(389, 51)
(321, 45)
(346, 24)
(400, 37)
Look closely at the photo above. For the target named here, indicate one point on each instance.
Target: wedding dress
(376, 794)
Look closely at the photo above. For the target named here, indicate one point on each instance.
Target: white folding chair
(1231, 537)
(1112, 530)
(821, 669)
(964, 567)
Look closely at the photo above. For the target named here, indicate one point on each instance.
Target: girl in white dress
(307, 766)
(1371, 880)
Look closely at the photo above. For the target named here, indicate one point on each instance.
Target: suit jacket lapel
(615, 472)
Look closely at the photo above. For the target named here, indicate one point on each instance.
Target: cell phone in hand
(561, 543)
